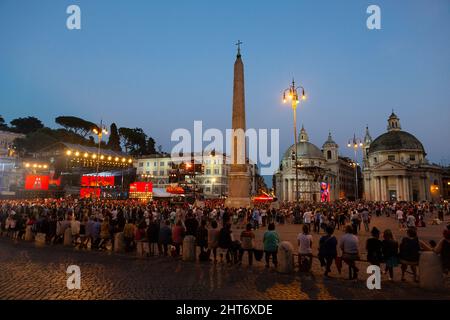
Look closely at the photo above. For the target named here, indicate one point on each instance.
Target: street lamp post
(99, 131)
(355, 144)
(292, 94)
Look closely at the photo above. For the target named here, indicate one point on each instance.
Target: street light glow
(69, 152)
(77, 153)
(86, 154)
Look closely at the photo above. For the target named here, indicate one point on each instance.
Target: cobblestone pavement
(28, 272)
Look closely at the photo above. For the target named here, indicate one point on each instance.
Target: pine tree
(114, 139)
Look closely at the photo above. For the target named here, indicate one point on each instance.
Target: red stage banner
(141, 187)
(36, 182)
(91, 181)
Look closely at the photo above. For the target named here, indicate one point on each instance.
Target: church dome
(396, 140)
(305, 149)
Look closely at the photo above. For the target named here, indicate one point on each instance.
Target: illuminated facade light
(109, 158)
(116, 159)
(86, 154)
(69, 152)
(77, 153)
(102, 157)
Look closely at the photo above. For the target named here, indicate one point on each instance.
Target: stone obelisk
(238, 177)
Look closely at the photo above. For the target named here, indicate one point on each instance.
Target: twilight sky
(160, 65)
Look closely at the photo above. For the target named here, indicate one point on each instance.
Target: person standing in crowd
(317, 220)
(247, 244)
(129, 231)
(105, 234)
(202, 240)
(225, 242)
(410, 253)
(390, 252)
(374, 248)
(443, 249)
(410, 221)
(213, 239)
(304, 241)
(271, 241)
(153, 235)
(307, 218)
(327, 250)
(178, 233)
(165, 238)
(399, 215)
(365, 218)
(349, 246)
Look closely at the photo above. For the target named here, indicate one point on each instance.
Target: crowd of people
(162, 226)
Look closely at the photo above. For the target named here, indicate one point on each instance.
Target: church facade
(396, 168)
(323, 175)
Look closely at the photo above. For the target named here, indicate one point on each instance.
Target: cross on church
(239, 46)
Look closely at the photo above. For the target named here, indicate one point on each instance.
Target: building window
(216, 171)
(155, 164)
(208, 189)
(375, 160)
(391, 157)
(161, 163)
(412, 157)
(148, 164)
(141, 164)
(329, 154)
(161, 173)
(155, 173)
(208, 171)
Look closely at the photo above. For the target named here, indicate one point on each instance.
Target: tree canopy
(76, 125)
(26, 125)
(114, 138)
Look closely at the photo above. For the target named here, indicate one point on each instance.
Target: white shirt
(307, 217)
(399, 214)
(411, 221)
(304, 241)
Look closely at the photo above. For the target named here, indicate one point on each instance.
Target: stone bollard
(119, 243)
(430, 271)
(68, 237)
(189, 249)
(40, 240)
(285, 257)
(28, 234)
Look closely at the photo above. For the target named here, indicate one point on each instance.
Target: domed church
(322, 174)
(396, 168)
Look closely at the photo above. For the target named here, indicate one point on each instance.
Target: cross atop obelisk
(239, 47)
